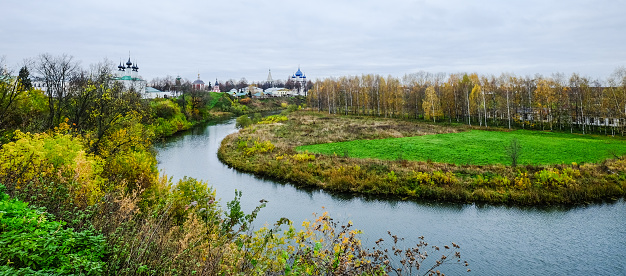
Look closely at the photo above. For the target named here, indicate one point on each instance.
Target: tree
(506, 81)
(227, 86)
(243, 83)
(56, 72)
(10, 90)
(616, 97)
(474, 98)
(466, 87)
(431, 104)
(243, 121)
(513, 151)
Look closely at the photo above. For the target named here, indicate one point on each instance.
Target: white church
(129, 77)
(299, 78)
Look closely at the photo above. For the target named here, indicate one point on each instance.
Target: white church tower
(129, 77)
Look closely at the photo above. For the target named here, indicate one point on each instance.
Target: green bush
(243, 121)
(31, 242)
(164, 109)
(168, 118)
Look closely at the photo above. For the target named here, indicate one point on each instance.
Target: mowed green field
(482, 147)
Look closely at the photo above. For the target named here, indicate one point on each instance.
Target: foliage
(293, 107)
(273, 119)
(243, 121)
(165, 108)
(14, 94)
(522, 181)
(256, 147)
(554, 178)
(575, 104)
(303, 157)
(32, 242)
(431, 105)
(238, 108)
(168, 118)
(245, 101)
(126, 151)
(30, 163)
(325, 247)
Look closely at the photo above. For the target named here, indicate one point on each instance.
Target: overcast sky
(237, 38)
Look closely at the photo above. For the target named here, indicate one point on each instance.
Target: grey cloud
(234, 39)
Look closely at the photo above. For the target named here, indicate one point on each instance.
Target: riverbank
(269, 150)
(173, 115)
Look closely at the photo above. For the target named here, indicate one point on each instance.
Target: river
(495, 240)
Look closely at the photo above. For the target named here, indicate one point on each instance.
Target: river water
(495, 240)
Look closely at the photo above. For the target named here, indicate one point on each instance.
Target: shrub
(481, 181)
(419, 178)
(32, 242)
(245, 101)
(325, 247)
(302, 157)
(189, 195)
(500, 181)
(273, 119)
(30, 163)
(552, 178)
(257, 147)
(243, 121)
(165, 109)
(522, 181)
(256, 117)
(443, 179)
(392, 177)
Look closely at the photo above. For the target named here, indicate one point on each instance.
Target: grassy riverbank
(270, 150)
(172, 115)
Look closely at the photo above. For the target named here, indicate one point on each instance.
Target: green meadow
(480, 147)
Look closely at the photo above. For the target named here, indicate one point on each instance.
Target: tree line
(169, 83)
(93, 105)
(574, 103)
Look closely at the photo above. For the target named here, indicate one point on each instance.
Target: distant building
(270, 81)
(278, 92)
(198, 84)
(39, 83)
(152, 93)
(299, 80)
(216, 87)
(129, 77)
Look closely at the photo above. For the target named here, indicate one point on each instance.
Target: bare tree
(243, 83)
(56, 72)
(513, 151)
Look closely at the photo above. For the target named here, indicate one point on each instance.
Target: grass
(479, 147)
(555, 181)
